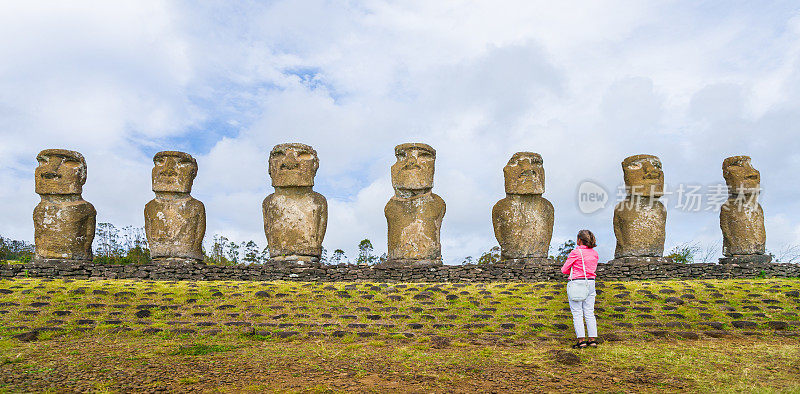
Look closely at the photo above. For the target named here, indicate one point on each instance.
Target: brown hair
(587, 238)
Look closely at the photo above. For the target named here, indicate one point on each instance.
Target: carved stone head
(643, 176)
(414, 167)
(740, 175)
(293, 165)
(524, 174)
(173, 172)
(60, 171)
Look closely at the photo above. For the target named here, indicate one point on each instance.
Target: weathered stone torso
(742, 225)
(175, 228)
(414, 227)
(639, 227)
(295, 222)
(523, 225)
(64, 229)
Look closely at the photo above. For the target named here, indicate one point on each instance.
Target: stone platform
(174, 261)
(641, 260)
(521, 271)
(746, 259)
(400, 263)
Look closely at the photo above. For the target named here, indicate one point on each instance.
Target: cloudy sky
(583, 84)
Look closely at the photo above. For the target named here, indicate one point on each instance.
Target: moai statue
(741, 217)
(174, 222)
(63, 221)
(414, 214)
(295, 216)
(640, 219)
(523, 221)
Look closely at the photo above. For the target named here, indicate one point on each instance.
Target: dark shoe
(579, 345)
(591, 343)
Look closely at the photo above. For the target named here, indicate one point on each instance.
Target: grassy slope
(349, 336)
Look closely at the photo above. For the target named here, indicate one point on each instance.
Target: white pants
(584, 310)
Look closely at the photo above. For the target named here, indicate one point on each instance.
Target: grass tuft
(200, 349)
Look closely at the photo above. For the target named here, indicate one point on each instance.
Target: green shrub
(683, 253)
(490, 257)
(563, 251)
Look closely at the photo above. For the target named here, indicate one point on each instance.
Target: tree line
(13, 250)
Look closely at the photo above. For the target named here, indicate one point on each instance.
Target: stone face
(523, 221)
(295, 216)
(524, 174)
(414, 214)
(60, 172)
(741, 217)
(640, 219)
(643, 176)
(413, 171)
(174, 222)
(63, 221)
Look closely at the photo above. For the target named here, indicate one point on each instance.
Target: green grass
(200, 350)
(359, 336)
(499, 310)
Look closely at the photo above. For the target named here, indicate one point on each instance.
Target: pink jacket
(590, 258)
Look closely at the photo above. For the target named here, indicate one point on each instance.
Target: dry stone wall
(280, 270)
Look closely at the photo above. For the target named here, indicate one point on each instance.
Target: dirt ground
(146, 364)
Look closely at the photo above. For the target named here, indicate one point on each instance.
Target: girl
(581, 265)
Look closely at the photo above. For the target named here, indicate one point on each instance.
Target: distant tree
(468, 260)
(338, 257)
(107, 239)
(101, 239)
(250, 252)
(132, 237)
(137, 255)
(127, 245)
(264, 256)
(563, 251)
(707, 254)
(683, 253)
(219, 249)
(135, 245)
(788, 253)
(13, 250)
(323, 257)
(233, 252)
(365, 255)
(490, 257)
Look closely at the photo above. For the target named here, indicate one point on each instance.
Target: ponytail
(587, 238)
